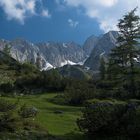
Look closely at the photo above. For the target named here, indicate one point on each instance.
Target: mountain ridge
(58, 54)
(105, 44)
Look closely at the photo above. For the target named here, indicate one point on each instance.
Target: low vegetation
(111, 118)
(103, 108)
(19, 120)
(57, 120)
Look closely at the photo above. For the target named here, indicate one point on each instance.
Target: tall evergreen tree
(122, 58)
(38, 61)
(102, 68)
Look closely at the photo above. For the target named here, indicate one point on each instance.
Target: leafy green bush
(44, 81)
(8, 120)
(110, 117)
(6, 87)
(28, 69)
(19, 120)
(26, 83)
(27, 112)
(77, 92)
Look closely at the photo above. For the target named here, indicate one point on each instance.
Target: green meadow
(62, 125)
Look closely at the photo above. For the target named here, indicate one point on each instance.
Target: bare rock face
(51, 54)
(23, 50)
(90, 44)
(102, 48)
(58, 54)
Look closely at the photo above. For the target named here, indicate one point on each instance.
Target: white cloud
(18, 9)
(30, 5)
(73, 23)
(107, 12)
(45, 13)
(105, 3)
(60, 5)
(21, 9)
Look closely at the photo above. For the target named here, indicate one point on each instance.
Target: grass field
(60, 125)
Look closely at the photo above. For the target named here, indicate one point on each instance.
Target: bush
(8, 120)
(52, 81)
(27, 112)
(110, 117)
(44, 81)
(26, 69)
(14, 118)
(7, 87)
(77, 92)
(26, 83)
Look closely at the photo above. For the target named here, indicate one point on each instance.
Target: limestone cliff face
(102, 48)
(52, 54)
(90, 44)
(58, 54)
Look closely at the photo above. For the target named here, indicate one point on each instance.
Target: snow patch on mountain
(82, 62)
(48, 66)
(102, 54)
(64, 45)
(137, 60)
(67, 62)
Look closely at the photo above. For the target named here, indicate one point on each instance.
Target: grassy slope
(62, 125)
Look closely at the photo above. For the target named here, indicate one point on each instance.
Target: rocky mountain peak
(57, 54)
(102, 48)
(90, 43)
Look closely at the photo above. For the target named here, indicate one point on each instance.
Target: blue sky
(60, 20)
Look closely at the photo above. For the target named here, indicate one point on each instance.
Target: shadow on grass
(80, 136)
(72, 136)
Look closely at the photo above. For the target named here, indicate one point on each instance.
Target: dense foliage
(123, 63)
(111, 118)
(119, 80)
(42, 82)
(77, 92)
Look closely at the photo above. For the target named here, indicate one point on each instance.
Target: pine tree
(38, 61)
(122, 57)
(102, 68)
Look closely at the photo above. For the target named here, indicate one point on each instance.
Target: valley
(60, 90)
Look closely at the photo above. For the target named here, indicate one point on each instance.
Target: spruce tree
(38, 61)
(122, 58)
(102, 68)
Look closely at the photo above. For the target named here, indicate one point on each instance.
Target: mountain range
(58, 54)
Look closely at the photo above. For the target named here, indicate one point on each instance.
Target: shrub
(14, 118)
(6, 87)
(78, 92)
(27, 112)
(110, 117)
(44, 81)
(8, 120)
